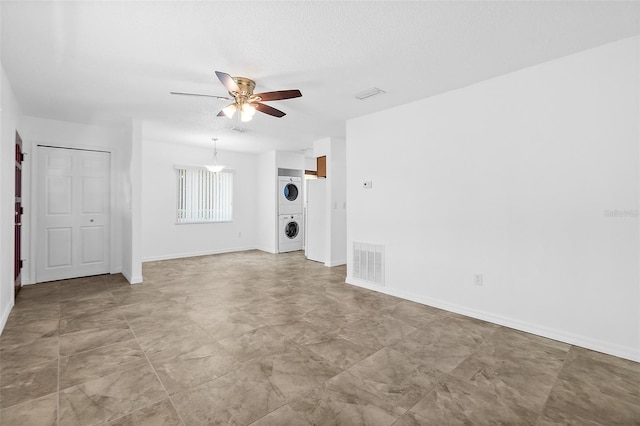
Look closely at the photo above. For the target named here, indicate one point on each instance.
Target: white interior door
(73, 213)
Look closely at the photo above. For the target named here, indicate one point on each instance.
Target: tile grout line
(154, 372)
(59, 362)
(555, 381)
(96, 348)
(433, 388)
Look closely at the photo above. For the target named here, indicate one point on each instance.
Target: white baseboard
(333, 263)
(195, 254)
(268, 250)
(132, 279)
(550, 333)
(5, 315)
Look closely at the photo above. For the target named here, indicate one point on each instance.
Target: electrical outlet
(239, 234)
(367, 184)
(477, 279)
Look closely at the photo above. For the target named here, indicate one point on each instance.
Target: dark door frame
(17, 245)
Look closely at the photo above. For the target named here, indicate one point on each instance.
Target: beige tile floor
(254, 338)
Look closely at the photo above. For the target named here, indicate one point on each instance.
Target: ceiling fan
(241, 91)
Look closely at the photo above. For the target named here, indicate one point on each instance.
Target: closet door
(73, 213)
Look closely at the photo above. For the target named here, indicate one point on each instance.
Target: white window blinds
(204, 196)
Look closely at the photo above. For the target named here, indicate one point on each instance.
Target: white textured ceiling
(104, 62)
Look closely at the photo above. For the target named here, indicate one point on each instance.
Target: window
(204, 196)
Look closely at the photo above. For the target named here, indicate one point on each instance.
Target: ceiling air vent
(238, 129)
(369, 93)
(368, 263)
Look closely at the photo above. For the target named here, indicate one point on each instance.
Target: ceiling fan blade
(268, 110)
(199, 94)
(278, 95)
(228, 81)
(221, 114)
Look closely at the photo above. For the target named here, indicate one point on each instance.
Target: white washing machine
(290, 195)
(290, 231)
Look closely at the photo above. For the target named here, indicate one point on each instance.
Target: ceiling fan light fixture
(249, 109)
(246, 112)
(229, 110)
(241, 91)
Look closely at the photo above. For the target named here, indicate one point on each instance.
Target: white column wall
(336, 233)
(267, 185)
(132, 205)
(337, 173)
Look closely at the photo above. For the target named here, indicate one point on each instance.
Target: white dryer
(290, 195)
(290, 231)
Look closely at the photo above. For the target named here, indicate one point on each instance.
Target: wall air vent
(238, 129)
(368, 263)
(369, 93)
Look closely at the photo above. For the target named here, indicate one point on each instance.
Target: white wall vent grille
(368, 262)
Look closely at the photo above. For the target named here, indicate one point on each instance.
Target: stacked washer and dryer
(290, 214)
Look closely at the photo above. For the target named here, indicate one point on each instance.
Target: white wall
(512, 178)
(117, 141)
(322, 148)
(290, 160)
(337, 175)
(267, 185)
(161, 237)
(310, 163)
(336, 233)
(9, 121)
(132, 204)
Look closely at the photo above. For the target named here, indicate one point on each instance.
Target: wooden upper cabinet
(321, 162)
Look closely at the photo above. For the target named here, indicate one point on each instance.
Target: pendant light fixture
(215, 167)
